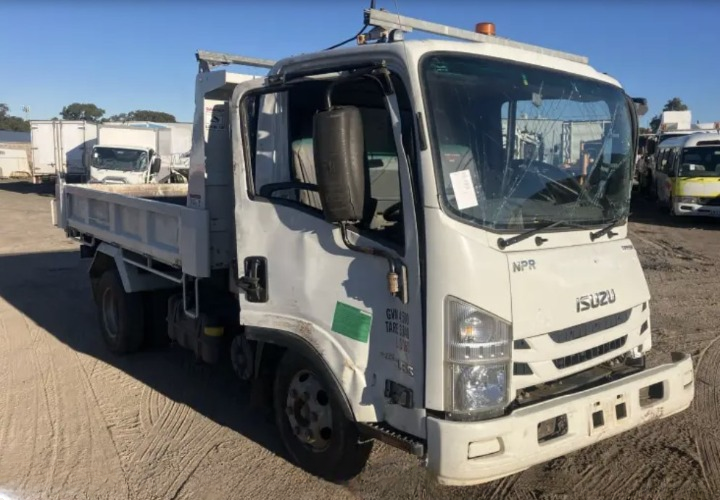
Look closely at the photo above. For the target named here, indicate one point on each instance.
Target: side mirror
(155, 167)
(338, 150)
(641, 107)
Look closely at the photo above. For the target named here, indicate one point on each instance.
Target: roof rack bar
(208, 60)
(388, 20)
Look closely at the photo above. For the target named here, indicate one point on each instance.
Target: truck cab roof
(412, 51)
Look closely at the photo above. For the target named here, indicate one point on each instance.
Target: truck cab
(482, 303)
(124, 164)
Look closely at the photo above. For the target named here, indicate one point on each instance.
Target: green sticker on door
(351, 322)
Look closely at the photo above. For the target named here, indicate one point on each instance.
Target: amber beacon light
(485, 28)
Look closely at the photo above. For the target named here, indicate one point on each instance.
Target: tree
(145, 115)
(14, 123)
(82, 111)
(674, 104)
(122, 117)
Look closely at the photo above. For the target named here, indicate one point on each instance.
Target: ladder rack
(208, 60)
(391, 21)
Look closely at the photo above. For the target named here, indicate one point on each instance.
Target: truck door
(333, 298)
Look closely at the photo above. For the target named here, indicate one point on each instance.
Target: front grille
(581, 357)
(712, 202)
(584, 329)
(522, 369)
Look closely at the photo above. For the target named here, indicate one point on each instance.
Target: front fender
(319, 346)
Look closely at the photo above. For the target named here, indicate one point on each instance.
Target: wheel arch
(283, 340)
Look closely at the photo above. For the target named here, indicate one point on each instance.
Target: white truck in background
(360, 237)
(134, 155)
(61, 147)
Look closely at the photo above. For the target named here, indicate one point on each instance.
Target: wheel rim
(110, 313)
(308, 411)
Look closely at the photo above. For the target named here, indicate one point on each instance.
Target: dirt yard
(78, 423)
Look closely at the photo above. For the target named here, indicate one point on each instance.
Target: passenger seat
(304, 170)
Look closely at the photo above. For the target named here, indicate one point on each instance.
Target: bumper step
(389, 435)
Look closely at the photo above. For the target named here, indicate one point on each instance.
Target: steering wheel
(393, 212)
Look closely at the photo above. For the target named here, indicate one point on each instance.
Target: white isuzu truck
(132, 155)
(360, 237)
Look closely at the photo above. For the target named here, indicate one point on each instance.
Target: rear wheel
(120, 314)
(313, 427)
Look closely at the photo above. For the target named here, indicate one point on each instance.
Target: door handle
(254, 281)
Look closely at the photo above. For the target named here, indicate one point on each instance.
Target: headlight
(687, 199)
(477, 360)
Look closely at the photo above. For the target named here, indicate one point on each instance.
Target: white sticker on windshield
(464, 189)
(537, 99)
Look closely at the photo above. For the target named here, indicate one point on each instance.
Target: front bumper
(510, 444)
(696, 209)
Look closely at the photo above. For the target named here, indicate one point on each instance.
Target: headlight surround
(477, 360)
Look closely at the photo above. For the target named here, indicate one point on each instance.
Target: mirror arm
(385, 83)
(394, 286)
(359, 73)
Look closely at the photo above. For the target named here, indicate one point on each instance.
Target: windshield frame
(432, 143)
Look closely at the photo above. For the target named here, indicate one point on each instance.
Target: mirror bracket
(356, 74)
(397, 273)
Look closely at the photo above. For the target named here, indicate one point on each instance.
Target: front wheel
(312, 425)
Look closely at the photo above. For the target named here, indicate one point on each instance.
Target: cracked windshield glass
(125, 160)
(520, 147)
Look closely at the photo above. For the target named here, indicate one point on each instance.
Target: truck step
(389, 435)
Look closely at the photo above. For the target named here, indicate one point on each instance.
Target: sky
(127, 55)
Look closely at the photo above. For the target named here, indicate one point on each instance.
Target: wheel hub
(308, 411)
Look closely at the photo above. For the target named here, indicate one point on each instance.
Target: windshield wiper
(503, 243)
(606, 230)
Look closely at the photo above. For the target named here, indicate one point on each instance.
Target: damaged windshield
(125, 160)
(518, 147)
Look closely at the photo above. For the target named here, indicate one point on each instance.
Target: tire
(333, 451)
(120, 314)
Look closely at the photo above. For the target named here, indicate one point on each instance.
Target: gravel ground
(78, 423)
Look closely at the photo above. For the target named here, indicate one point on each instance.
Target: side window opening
(289, 176)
